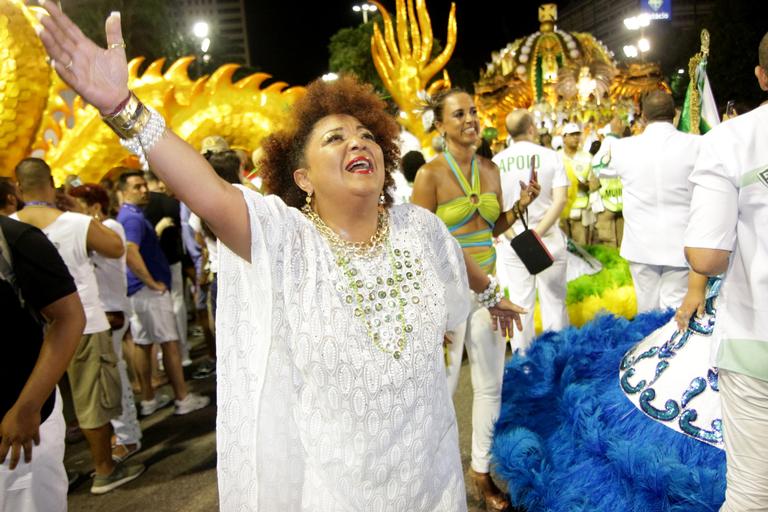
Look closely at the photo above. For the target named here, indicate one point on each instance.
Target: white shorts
(152, 320)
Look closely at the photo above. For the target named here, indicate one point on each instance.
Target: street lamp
(200, 29)
(365, 8)
(643, 45)
(630, 51)
(637, 22)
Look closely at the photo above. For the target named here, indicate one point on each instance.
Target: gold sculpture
(404, 63)
(25, 79)
(74, 140)
(695, 97)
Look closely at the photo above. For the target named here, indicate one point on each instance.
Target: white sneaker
(186, 362)
(150, 406)
(191, 402)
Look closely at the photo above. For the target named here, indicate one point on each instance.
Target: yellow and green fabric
(457, 212)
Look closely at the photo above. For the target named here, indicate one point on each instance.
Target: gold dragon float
(35, 119)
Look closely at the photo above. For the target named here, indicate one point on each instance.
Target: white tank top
(69, 233)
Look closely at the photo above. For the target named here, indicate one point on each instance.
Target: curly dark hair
(284, 151)
(92, 194)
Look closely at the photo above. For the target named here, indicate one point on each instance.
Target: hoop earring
(382, 199)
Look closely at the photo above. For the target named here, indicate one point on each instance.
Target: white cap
(571, 128)
(214, 144)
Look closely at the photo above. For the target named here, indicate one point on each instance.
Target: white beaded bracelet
(142, 143)
(491, 296)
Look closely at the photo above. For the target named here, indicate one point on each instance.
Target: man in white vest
(654, 168)
(515, 164)
(727, 233)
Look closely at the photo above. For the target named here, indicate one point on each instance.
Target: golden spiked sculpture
(36, 120)
(405, 63)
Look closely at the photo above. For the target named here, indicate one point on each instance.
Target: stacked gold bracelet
(138, 126)
(130, 120)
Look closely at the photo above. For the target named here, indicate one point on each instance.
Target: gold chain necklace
(346, 248)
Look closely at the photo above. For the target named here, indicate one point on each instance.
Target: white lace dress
(313, 415)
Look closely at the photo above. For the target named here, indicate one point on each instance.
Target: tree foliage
(350, 52)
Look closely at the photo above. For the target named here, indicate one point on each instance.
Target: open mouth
(360, 165)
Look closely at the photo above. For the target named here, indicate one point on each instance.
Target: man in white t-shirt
(93, 373)
(727, 233)
(515, 164)
(654, 168)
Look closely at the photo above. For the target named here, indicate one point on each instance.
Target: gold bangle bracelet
(130, 120)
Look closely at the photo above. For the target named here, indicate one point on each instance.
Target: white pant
(658, 286)
(179, 308)
(126, 426)
(41, 485)
(486, 349)
(745, 431)
(550, 284)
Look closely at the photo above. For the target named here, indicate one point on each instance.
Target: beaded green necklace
(369, 298)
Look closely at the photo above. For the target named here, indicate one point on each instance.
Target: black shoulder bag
(530, 249)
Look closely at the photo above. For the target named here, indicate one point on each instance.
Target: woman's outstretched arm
(100, 76)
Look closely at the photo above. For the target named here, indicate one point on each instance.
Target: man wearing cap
(654, 168)
(578, 219)
(515, 165)
(609, 225)
(213, 144)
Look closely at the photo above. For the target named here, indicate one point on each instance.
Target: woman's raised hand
(97, 74)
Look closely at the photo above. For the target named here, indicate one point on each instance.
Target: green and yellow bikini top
(459, 211)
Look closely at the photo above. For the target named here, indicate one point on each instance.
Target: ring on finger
(112, 46)
(68, 67)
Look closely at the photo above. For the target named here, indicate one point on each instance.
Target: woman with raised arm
(331, 315)
(464, 190)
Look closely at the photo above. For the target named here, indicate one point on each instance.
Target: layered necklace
(378, 301)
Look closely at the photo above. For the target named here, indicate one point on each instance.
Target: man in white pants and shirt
(654, 168)
(727, 233)
(515, 164)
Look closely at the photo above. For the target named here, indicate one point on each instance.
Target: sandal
(482, 487)
(123, 452)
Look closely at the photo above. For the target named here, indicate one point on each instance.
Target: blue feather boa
(567, 439)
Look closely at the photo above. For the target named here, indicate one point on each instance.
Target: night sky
(289, 39)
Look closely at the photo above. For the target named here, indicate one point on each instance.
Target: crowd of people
(346, 294)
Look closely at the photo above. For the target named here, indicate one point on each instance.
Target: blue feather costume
(569, 440)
